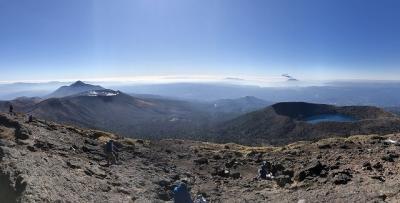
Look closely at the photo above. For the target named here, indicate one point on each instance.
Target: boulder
(235, 175)
(367, 166)
(313, 170)
(221, 172)
(341, 179)
(282, 180)
(201, 161)
(378, 166)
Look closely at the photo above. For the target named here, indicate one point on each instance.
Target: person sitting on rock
(11, 109)
(181, 194)
(263, 172)
(111, 152)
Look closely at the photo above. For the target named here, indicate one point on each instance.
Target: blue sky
(309, 39)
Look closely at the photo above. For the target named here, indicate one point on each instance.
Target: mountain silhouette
(121, 113)
(75, 88)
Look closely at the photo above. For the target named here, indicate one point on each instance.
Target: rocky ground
(46, 162)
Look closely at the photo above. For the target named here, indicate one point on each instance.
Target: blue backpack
(181, 194)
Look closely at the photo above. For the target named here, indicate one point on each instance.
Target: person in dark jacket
(111, 152)
(181, 194)
(263, 173)
(11, 109)
(30, 119)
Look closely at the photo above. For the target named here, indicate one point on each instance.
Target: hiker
(263, 172)
(181, 194)
(111, 152)
(30, 119)
(11, 110)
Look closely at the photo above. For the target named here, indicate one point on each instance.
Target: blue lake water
(329, 118)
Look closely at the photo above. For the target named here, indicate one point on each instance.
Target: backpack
(181, 194)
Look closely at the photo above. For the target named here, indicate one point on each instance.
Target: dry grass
(7, 133)
(129, 141)
(354, 138)
(362, 137)
(102, 136)
(217, 148)
(244, 150)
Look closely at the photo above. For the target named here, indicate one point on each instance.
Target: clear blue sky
(314, 39)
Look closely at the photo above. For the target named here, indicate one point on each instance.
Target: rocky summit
(47, 162)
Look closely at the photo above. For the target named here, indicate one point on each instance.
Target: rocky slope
(48, 162)
(23, 104)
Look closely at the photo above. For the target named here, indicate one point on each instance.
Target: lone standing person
(30, 119)
(110, 153)
(11, 110)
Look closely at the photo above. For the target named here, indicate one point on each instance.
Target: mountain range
(146, 116)
(341, 93)
(247, 120)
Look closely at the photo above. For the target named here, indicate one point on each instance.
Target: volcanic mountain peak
(78, 84)
(75, 88)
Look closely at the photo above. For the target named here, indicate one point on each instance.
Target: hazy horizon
(260, 82)
(279, 81)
